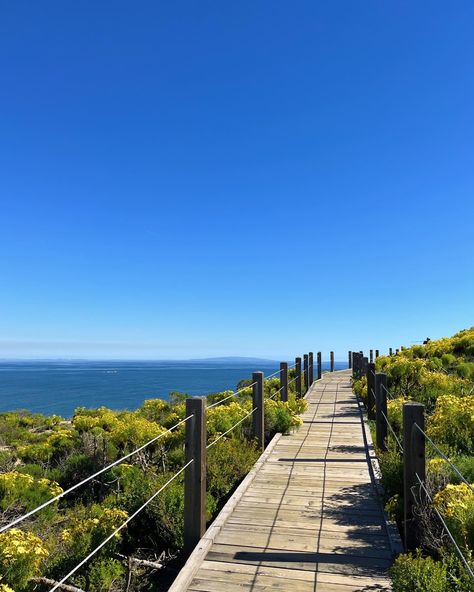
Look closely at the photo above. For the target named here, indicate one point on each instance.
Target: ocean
(59, 387)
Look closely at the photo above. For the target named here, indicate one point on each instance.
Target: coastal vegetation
(439, 374)
(42, 456)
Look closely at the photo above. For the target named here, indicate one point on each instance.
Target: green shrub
(415, 573)
(102, 575)
(391, 466)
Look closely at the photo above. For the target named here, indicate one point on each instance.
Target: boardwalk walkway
(308, 518)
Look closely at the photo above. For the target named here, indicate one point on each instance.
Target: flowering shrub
(452, 422)
(25, 491)
(88, 528)
(395, 413)
(456, 503)
(21, 555)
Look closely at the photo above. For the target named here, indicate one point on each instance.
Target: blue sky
(265, 178)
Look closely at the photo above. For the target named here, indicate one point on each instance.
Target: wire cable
(456, 546)
(93, 476)
(393, 432)
(441, 453)
(389, 394)
(117, 530)
(234, 394)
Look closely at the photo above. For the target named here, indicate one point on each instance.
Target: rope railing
(445, 526)
(90, 477)
(444, 457)
(117, 530)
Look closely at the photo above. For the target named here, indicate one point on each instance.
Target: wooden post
(258, 416)
(310, 368)
(370, 373)
(305, 372)
(195, 474)
(365, 364)
(350, 359)
(381, 428)
(332, 361)
(298, 378)
(284, 381)
(320, 366)
(377, 353)
(413, 465)
(371, 356)
(355, 364)
(397, 351)
(390, 351)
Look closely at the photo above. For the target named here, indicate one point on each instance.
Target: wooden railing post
(305, 372)
(390, 351)
(360, 365)
(195, 473)
(371, 356)
(377, 353)
(355, 364)
(370, 373)
(310, 368)
(298, 378)
(397, 351)
(320, 366)
(284, 381)
(258, 416)
(413, 465)
(350, 359)
(381, 428)
(364, 366)
(332, 361)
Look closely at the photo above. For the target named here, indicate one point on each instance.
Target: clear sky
(256, 178)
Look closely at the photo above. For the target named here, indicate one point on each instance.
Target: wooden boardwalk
(308, 517)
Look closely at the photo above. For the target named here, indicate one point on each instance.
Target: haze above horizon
(191, 180)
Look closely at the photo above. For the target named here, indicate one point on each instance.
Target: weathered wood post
(320, 366)
(413, 465)
(371, 356)
(298, 378)
(397, 351)
(305, 372)
(370, 373)
(355, 364)
(350, 359)
(364, 365)
(195, 473)
(258, 416)
(377, 353)
(332, 361)
(311, 368)
(284, 381)
(390, 351)
(381, 428)
(360, 367)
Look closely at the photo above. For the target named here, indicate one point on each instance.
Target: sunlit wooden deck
(308, 517)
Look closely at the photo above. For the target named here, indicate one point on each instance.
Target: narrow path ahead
(309, 519)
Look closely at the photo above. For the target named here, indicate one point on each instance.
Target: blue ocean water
(61, 386)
